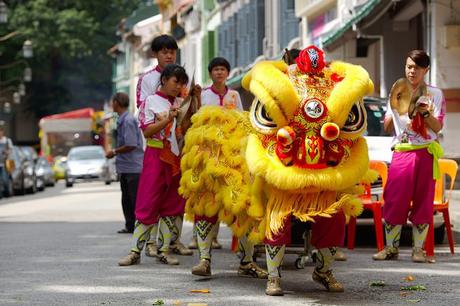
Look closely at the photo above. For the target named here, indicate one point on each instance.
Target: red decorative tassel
(418, 125)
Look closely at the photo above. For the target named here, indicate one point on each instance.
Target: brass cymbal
(400, 96)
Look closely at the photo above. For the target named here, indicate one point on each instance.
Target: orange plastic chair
(374, 205)
(447, 167)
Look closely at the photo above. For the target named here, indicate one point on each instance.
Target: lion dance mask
(299, 151)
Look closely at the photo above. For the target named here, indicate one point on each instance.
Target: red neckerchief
(221, 97)
(166, 155)
(158, 69)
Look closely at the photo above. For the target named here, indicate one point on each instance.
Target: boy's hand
(173, 112)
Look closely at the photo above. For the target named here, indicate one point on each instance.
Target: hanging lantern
(3, 12)
(16, 98)
(27, 49)
(27, 74)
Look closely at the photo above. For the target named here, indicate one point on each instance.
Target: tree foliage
(70, 39)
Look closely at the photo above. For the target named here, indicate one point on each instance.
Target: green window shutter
(205, 58)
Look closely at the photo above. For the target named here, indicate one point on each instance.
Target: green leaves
(74, 28)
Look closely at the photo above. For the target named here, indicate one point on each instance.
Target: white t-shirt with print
(402, 123)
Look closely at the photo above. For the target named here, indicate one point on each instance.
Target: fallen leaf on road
(379, 283)
(158, 302)
(414, 300)
(200, 291)
(409, 278)
(413, 288)
(177, 303)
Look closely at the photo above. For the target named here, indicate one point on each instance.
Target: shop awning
(361, 12)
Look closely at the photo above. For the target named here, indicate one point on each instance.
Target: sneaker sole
(248, 275)
(198, 273)
(131, 264)
(274, 293)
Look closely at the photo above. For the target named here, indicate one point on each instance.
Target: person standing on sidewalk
(128, 157)
(414, 166)
(164, 49)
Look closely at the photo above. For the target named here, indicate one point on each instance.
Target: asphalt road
(60, 247)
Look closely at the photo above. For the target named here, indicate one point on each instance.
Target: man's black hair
(164, 42)
(121, 98)
(174, 70)
(218, 61)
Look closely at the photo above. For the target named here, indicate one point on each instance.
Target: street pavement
(60, 247)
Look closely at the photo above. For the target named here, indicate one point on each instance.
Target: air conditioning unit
(451, 35)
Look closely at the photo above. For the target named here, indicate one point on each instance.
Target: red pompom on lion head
(311, 60)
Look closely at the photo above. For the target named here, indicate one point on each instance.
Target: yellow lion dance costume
(299, 150)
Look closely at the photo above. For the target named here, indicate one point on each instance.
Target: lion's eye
(260, 118)
(356, 120)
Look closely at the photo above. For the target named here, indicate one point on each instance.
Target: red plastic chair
(370, 204)
(447, 167)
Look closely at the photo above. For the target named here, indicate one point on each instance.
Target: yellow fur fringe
(336, 178)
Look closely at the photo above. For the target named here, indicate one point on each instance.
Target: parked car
(23, 176)
(31, 155)
(378, 142)
(87, 163)
(43, 170)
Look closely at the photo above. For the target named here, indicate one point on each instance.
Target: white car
(378, 142)
(87, 163)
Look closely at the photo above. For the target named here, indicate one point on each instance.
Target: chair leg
(351, 233)
(445, 213)
(429, 241)
(377, 212)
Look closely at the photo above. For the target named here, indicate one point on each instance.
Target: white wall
(446, 71)
(347, 53)
(446, 61)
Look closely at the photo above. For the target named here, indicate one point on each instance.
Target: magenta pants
(157, 194)
(326, 232)
(410, 179)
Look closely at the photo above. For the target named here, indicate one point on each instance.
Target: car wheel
(33, 188)
(22, 189)
(108, 182)
(68, 184)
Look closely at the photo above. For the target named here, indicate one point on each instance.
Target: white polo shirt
(147, 85)
(230, 99)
